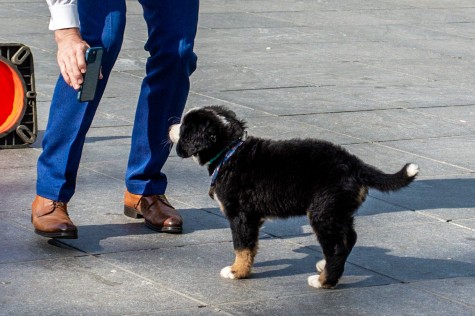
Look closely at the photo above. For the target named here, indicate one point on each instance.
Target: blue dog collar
(228, 155)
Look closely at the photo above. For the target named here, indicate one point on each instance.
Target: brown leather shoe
(51, 219)
(158, 213)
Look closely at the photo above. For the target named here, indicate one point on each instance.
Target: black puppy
(253, 179)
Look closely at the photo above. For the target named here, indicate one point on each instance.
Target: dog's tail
(381, 181)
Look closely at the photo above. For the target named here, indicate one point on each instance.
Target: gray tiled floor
(392, 81)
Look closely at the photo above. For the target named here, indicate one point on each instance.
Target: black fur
(268, 178)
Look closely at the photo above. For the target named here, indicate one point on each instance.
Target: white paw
(321, 265)
(314, 282)
(412, 170)
(227, 273)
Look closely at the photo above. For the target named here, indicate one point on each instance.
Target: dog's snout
(174, 133)
(181, 152)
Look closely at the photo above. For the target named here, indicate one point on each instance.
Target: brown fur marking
(362, 194)
(323, 280)
(243, 263)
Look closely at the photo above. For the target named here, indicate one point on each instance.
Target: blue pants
(172, 28)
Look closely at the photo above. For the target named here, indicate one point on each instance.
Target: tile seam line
(441, 117)
(425, 157)
(230, 102)
(422, 214)
(415, 285)
(185, 309)
(307, 84)
(415, 76)
(348, 261)
(380, 143)
(161, 285)
(398, 281)
(102, 173)
(318, 292)
(131, 251)
(442, 137)
(413, 109)
(377, 67)
(365, 100)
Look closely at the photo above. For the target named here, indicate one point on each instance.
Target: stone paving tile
(225, 20)
(82, 285)
(17, 190)
(281, 268)
(456, 289)
(196, 99)
(287, 128)
(389, 125)
(390, 159)
(408, 252)
(415, 251)
(391, 82)
(466, 223)
(392, 299)
(456, 151)
(18, 243)
(12, 159)
(104, 229)
(464, 114)
(236, 77)
(445, 198)
(296, 100)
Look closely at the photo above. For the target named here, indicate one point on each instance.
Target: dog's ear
(233, 124)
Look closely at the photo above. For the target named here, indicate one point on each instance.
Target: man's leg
(172, 28)
(102, 24)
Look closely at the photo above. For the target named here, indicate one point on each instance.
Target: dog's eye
(213, 138)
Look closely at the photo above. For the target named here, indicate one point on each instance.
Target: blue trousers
(172, 28)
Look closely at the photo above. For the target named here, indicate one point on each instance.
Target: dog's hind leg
(334, 229)
(245, 233)
(350, 239)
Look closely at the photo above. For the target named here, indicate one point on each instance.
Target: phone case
(87, 91)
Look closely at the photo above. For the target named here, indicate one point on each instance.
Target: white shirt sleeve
(64, 14)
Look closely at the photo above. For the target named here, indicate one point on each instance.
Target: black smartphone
(87, 91)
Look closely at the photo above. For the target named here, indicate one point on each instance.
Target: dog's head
(204, 132)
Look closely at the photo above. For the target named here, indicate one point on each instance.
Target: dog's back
(282, 178)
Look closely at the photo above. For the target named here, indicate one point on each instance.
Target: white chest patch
(215, 197)
(196, 159)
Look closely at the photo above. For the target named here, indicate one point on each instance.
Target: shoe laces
(160, 197)
(57, 204)
(163, 199)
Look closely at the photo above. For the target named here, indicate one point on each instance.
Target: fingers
(71, 56)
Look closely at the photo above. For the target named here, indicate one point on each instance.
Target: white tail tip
(412, 170)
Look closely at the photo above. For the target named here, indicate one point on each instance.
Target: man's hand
(71, 56)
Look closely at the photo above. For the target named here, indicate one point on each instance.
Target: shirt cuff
(63, 17)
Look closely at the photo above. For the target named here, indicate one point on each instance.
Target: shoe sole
(132, 212)
(62, 235)
(168, 230)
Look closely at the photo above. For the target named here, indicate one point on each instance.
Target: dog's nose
(174, 133)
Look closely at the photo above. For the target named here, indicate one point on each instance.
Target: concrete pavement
(391, 81)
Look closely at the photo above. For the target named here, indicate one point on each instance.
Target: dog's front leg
(245, 233)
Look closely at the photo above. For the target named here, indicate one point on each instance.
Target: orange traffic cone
(17, 97)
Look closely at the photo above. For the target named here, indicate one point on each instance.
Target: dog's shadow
(366, 266)
(424, 195)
